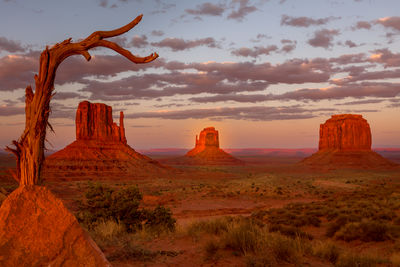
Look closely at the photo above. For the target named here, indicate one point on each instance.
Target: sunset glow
(259, 71)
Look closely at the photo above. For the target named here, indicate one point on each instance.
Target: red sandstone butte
(100, 150)
(95, 122)
(37, 230)
(207, 151)
(345, 132)
(345, 142)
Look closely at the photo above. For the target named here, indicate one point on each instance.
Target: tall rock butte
(100, 150)
(345, 142)
(207, 151)
(95, 122)
(345, 132)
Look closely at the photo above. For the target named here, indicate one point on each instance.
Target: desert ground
(271, 211)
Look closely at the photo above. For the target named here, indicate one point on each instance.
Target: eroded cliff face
(94, 122)
(345, 132)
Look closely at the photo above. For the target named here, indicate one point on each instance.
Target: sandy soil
(207, 192)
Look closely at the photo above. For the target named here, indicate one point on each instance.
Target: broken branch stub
(29, 149)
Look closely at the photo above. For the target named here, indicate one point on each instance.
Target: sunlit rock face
(208, 138)
(207, 151)
(36, 229)
(345, 132)
(95, 122)
(100, 150)
(345, 142)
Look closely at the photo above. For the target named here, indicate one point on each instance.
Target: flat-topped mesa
(94, 122)
(345, 142)
(345, 132)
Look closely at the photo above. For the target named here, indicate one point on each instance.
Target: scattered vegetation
(327, 251)
(103, 204)
(246, 237)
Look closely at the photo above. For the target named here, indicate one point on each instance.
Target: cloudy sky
(265, 73)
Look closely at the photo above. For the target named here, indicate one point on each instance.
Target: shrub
(327, 251)
(283, 248)
(160, 219)
(103, 203)
(366, 231)
(243, 237)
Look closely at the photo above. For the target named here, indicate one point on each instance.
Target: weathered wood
(29, 149)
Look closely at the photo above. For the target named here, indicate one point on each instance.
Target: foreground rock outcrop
(100, 150)
(207, 151)
(345, 142)
(37, 230)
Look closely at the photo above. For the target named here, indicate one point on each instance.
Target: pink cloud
(207, 9)
(323, 38)
(390, 22)
(304, 21)
(255, 51)
(10, 45)
(178, 44)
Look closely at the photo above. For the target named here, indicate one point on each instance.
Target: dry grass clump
(327, 251)
(107, 231)
(216, 227)
(246, 237)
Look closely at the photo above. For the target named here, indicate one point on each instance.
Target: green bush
(159, 219)
(366, 231)
(103, 203)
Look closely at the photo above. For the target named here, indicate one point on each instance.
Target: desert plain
(271, 194)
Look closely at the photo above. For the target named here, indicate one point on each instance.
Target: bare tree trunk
(29, 149)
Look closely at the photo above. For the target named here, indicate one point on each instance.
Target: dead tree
(29, 149)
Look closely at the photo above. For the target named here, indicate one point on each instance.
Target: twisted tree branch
(29, 149)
